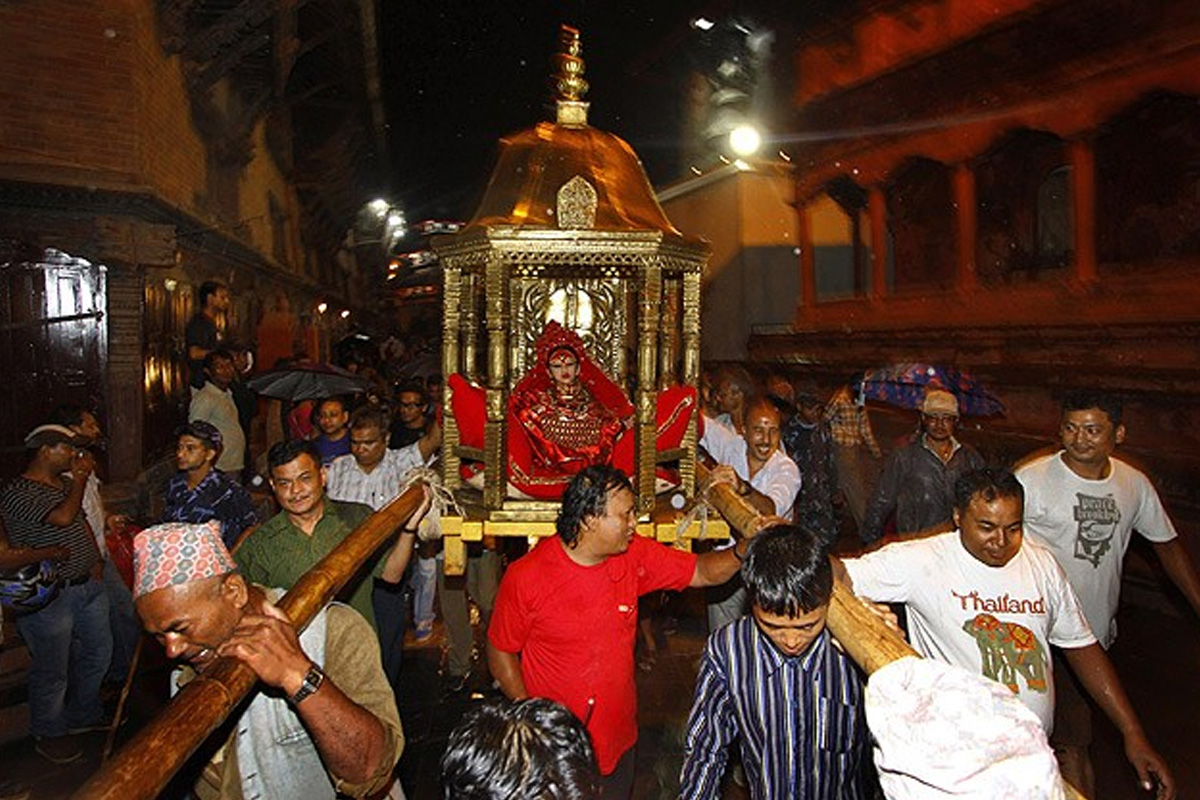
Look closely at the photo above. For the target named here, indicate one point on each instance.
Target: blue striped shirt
(799, 720)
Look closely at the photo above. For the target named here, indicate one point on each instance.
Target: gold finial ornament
(572, 110)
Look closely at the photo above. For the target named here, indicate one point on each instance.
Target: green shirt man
(280, 551)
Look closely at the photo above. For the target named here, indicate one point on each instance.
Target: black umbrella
(311, 382)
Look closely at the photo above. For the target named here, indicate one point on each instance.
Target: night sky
(460, 75)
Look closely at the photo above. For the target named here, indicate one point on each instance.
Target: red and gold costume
(568, 427)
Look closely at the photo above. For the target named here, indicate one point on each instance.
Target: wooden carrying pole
(144, 766)
(865, 637)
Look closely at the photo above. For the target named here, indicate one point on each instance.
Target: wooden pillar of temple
(966, 278)
(1083, 208)
(808, 261)
(877, 210)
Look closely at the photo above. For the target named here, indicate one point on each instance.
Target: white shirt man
(985, 600)
(759, 471)
(214, 404)
(1084, 505)
(754, 458)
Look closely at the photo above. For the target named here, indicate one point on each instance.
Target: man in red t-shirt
(566, 615)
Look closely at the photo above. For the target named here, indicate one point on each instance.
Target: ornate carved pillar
(496, 460)
(966, 278)
(650, 302)
(452, 304)
(1083, 207)
(691, 375)
(469, 311)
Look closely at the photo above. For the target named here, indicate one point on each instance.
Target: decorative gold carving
(572, 111)
(570, 83)
(595, 309)
(576, 207)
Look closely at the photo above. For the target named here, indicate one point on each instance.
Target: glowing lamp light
(379, 206)
(703, 24)
(322, 308)
(745, 140)
(345, 313)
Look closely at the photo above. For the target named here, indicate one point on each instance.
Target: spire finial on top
(571, 86)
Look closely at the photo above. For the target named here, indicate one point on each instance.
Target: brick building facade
(146, 147)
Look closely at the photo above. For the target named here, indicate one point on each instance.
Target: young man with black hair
(202, 335)
(1083, 504)
(199, 492)
(774, 683)
(411, 421)
(332, 419)
(534, 749)
(986, 600)
(214, 404)
(310, 525)
(566, 615)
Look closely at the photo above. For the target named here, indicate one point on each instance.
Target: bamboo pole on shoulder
(144, 766)
(865, 637)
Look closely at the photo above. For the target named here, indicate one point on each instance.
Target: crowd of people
(1011, 575)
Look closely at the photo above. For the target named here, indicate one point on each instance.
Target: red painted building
(1012, 187)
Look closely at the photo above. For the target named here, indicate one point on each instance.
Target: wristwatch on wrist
(312, 681)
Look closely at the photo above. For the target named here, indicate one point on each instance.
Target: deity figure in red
(571, 412)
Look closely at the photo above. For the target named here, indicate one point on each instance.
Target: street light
(745, 140)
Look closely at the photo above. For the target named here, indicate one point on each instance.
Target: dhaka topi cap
(939, 401)
(50, 435)
(176, 553)
(204, 431)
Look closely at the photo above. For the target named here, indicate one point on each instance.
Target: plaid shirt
(848, 423)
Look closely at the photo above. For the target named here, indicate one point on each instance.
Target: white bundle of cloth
(941, 731)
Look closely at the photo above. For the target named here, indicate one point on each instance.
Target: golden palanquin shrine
(568, 249)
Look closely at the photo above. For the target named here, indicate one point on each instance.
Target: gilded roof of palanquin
(594, 175)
